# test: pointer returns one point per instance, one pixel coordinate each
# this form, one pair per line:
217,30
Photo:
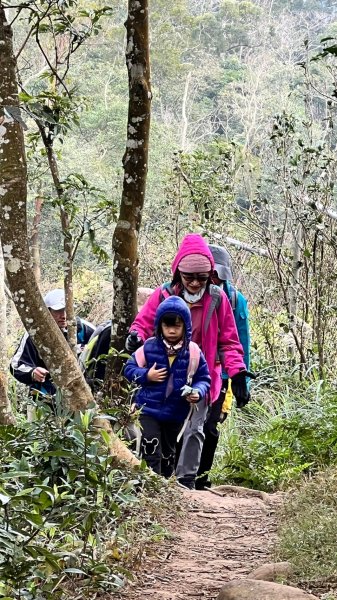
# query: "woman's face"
194,282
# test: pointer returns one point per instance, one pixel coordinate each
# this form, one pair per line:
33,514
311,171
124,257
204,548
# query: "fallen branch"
221,490
241,245
321,208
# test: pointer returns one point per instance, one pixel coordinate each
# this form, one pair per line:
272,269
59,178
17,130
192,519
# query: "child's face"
173,333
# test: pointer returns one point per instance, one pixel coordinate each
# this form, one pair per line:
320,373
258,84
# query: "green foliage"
89,211
207,176
65,18
307,531
236,84
63,502
289,429
56,111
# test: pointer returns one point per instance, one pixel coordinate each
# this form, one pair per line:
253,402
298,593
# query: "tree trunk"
293,287
6,415
184,112
36,318
135,162
69,280
67,243
34,239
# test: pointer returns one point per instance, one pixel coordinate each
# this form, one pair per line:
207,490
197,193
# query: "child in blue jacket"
162,367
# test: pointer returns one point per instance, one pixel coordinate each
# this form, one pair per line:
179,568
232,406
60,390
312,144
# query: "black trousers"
211,438
158,444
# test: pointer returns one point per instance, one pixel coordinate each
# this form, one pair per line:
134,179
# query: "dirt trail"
220,539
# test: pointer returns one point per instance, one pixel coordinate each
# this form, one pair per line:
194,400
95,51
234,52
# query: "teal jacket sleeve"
241,316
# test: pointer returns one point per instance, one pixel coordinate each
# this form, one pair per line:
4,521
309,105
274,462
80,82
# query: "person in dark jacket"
170,383
27,365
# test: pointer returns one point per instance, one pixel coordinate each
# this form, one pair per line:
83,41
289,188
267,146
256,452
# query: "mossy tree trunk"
35,238
6,415
13,229
67,241
135,163
36,318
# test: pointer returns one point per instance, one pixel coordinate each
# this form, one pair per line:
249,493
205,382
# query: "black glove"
133,341
223,417
239,388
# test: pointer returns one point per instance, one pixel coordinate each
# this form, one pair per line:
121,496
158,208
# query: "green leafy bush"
308,530
64,509
289,429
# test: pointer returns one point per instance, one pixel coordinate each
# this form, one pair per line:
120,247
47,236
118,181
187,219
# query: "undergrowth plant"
68,512
308,530
287,431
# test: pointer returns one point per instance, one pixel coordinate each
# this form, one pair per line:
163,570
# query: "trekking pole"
186,390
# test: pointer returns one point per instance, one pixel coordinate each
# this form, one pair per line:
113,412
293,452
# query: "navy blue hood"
175,305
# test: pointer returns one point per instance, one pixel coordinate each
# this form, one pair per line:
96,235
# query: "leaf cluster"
62,500
307,532
57,112
287,431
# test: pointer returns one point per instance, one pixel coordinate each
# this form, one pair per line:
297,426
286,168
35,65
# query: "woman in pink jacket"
213,329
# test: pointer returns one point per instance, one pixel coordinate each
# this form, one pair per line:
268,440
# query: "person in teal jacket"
223,277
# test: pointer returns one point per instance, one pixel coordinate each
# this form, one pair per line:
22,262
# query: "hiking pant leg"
211,437
150,447
211,441
169,433
193,440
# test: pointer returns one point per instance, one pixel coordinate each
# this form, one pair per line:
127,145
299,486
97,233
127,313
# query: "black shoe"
202,485
188,484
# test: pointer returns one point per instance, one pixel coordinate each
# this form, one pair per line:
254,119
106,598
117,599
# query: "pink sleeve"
144,321
229,346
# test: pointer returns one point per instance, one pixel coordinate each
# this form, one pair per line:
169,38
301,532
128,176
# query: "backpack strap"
194,361
140,354
91,351
193,364
140,357
86,354
234,298
215,293
166,291
231,293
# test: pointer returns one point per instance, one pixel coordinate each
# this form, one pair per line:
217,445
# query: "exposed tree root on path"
219,539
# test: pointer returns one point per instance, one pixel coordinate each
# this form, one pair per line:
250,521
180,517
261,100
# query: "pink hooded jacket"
220,341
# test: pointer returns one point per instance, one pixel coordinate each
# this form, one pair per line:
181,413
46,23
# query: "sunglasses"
189,277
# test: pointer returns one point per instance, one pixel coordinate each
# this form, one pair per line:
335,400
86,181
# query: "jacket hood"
222,262
193,243
175,305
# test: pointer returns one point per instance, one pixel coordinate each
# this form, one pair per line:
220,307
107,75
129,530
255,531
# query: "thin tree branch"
24,43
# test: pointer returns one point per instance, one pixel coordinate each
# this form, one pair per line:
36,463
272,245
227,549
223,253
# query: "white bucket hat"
55,299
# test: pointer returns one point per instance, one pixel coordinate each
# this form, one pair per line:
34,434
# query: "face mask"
192,298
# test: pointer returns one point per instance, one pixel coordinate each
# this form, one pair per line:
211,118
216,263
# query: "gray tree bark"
135,163
6,415
36,318
34,239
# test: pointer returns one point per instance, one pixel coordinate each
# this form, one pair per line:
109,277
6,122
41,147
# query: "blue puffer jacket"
163,401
